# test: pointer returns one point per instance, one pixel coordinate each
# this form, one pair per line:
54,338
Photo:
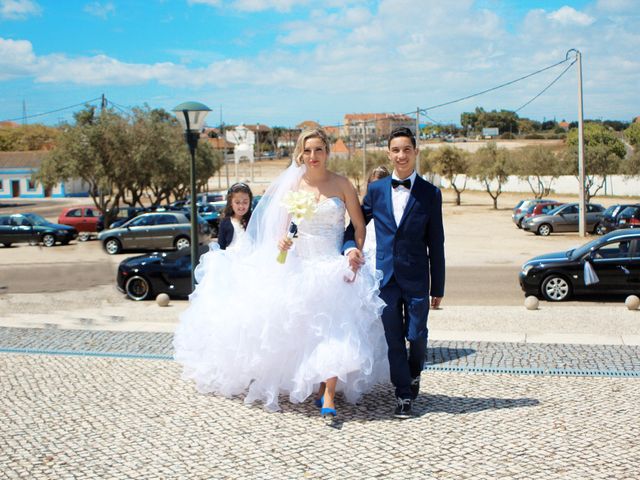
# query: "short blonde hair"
306,135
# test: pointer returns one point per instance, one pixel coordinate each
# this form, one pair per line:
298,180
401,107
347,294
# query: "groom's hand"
356,259
435,302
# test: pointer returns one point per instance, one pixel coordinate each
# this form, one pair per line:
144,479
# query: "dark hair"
377,173
402,132
228,209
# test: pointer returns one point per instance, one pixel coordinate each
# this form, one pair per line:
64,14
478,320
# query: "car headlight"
526,269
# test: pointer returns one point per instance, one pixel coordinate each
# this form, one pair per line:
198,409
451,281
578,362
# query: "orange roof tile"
339,147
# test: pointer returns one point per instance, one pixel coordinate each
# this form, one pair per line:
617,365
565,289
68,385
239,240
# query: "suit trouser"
404,317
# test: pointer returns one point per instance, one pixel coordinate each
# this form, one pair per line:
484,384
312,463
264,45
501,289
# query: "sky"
280,62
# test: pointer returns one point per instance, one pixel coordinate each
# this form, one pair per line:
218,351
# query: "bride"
261,328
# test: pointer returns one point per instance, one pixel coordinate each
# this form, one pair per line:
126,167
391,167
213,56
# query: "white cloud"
617,5
16,58
102,10
570,16
18,9
390,57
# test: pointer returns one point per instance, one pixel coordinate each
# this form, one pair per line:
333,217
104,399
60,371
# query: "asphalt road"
496,285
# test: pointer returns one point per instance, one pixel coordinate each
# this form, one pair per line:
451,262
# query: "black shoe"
415,388
403,408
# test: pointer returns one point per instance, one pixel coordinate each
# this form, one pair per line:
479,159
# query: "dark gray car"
564,219
153,231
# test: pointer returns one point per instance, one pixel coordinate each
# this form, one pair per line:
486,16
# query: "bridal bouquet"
301,205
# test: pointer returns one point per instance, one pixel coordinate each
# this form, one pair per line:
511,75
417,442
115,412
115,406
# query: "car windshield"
610,212
555,210
578,252
36,220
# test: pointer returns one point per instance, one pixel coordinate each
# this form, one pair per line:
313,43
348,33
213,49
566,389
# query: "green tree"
452,163
97,150
27,137
539,167
632,134
603,154
491,167
351,167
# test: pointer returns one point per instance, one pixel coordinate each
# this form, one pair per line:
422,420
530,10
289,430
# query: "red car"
540,209
83,218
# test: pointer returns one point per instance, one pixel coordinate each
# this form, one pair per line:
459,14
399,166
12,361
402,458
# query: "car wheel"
600,229
7,244
544,230
214,231
519,224
182,242
137,288
556,288
112,246
48,240
84,236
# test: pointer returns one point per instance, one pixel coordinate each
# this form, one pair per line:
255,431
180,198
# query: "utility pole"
418,139
582,211
103,103
24,112
364,152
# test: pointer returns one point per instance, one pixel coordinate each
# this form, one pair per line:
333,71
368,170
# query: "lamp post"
191,116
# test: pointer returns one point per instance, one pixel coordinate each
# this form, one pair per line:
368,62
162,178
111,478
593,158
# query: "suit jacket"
225,233
413,251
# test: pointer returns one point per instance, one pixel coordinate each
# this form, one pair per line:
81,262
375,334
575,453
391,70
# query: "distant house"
308,125
16,170
339,149
637,120
376,124
221,144
564,125
332,131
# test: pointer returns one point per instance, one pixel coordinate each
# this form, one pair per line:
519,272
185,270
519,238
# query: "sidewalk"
103,308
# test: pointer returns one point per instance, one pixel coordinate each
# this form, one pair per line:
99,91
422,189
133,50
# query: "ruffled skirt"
261,329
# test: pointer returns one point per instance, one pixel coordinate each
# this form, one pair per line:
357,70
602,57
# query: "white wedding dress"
258,328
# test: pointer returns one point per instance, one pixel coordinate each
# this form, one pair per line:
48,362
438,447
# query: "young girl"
236,215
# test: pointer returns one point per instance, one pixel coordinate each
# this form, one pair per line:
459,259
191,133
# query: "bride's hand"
356,259
285,244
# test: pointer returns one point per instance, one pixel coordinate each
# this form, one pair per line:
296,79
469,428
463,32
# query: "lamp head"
191,115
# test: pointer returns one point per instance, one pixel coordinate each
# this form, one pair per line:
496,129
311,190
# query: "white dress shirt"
400,196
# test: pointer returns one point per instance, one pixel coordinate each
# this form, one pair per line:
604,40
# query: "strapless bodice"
322,234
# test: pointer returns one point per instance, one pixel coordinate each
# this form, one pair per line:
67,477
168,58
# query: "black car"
32,228
145,276
614,257
629,217
611,215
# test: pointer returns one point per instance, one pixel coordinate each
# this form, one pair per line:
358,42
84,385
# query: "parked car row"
545,216
32,228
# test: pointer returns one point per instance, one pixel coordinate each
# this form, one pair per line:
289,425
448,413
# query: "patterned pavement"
110,405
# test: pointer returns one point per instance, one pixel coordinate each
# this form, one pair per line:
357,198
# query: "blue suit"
411,257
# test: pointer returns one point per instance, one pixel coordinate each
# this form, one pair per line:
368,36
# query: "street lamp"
191,116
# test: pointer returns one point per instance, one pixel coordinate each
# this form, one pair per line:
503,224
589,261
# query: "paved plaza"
97,404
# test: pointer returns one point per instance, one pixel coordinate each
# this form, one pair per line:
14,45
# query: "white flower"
300,205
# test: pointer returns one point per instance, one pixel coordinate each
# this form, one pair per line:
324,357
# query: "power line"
25,117
498,86
547,87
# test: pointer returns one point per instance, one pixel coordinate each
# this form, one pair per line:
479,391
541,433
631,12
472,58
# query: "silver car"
151,231
565,219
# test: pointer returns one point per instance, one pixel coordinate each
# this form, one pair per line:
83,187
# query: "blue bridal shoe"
326,412
319,402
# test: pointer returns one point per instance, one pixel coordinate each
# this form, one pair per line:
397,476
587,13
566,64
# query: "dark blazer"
412,252
225,233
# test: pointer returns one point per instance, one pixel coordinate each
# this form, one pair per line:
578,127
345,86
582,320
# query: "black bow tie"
406,183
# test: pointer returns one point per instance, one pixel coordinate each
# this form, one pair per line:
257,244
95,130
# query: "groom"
410,252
